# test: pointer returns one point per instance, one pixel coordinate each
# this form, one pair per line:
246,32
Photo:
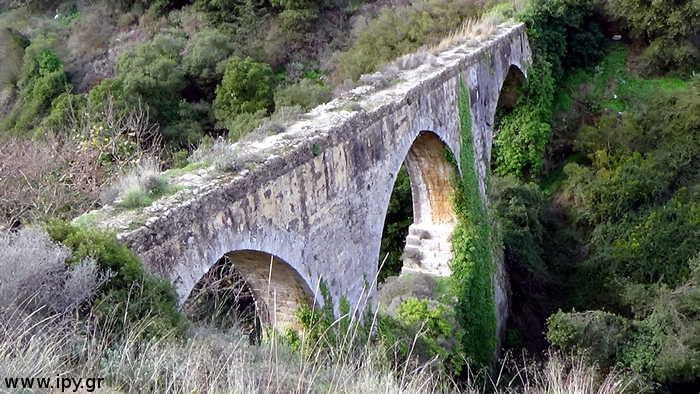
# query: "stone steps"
428,248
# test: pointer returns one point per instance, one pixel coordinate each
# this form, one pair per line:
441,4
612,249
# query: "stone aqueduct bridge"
313,205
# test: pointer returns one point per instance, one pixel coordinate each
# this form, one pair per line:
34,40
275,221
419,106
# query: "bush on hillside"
661,346
229,13
563,34
306,93
247,87
205,57
12,46
41,80
637,159
152,72
155,74
602,334
132,292
523,133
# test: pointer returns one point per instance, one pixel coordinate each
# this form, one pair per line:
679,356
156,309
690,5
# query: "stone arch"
277,289
431,170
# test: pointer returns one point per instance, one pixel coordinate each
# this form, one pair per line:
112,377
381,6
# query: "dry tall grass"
34,343
214,361
471,29
209,361
486,25
143,179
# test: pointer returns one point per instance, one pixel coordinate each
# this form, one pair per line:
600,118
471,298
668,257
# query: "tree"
247,87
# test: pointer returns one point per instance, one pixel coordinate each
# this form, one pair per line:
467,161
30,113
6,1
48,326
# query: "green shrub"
12,46
205,58
132,292
564,33
422,331
190,123
295,21
675,327
667,55
135,199
246,87
35,99
243,17
602,334
651,248
150,189
523,133
243,123
62,109
152,72
637,159
42,79
520,211
306,93
662,346
156,75
321,329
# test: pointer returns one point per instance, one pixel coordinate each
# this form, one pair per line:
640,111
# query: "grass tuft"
139,187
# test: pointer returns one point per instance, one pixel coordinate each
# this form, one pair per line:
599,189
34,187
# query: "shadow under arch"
431,171
511,90
262,290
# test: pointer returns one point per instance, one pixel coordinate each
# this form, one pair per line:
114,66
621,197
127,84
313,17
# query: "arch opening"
249,289
425,235
512,90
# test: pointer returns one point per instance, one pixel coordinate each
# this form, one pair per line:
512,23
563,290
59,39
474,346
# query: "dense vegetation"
594,187
611,220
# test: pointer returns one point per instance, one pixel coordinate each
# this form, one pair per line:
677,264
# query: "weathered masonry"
312,209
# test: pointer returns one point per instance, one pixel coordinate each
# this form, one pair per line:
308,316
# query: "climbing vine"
471,243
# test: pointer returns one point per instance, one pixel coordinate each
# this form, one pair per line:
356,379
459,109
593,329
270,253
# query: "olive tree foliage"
206,55
152,72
